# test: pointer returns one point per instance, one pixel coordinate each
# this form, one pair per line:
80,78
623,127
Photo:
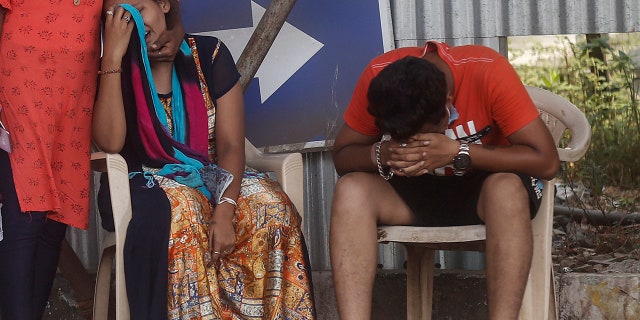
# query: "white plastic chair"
539,301
286,166
113,242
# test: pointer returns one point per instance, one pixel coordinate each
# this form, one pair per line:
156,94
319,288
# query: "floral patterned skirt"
266,276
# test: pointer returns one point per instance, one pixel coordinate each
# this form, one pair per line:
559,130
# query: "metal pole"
262,39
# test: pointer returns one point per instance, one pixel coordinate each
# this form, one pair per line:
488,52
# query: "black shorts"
452,200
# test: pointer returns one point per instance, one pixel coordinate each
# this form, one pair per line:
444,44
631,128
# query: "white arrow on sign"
291,49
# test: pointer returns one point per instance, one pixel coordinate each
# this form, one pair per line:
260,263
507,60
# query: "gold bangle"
100,72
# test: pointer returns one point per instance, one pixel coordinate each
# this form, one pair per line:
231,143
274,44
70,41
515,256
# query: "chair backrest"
287,167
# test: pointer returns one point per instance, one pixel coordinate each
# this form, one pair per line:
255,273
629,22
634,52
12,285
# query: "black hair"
406,95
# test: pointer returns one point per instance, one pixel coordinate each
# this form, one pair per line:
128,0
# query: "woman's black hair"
406,95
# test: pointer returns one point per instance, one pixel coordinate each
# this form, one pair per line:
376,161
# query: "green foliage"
604,90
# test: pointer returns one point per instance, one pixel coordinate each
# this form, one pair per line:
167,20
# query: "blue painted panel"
308,106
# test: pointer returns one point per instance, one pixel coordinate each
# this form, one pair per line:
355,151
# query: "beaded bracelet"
100,72
377,146
228,200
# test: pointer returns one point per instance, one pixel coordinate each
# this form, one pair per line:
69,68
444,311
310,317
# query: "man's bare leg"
504,206
360,201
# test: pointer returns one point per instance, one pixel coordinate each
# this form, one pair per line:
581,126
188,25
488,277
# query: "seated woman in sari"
194,249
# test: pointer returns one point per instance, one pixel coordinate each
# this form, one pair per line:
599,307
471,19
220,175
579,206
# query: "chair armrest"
570,116
287,167
116,168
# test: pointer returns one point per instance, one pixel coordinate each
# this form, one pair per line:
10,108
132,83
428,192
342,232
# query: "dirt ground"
606,240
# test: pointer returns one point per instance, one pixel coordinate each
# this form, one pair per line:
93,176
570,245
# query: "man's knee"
353,195
505,185
351,187
503,193
502,180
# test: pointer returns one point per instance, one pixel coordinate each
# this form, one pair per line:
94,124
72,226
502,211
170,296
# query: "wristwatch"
462,160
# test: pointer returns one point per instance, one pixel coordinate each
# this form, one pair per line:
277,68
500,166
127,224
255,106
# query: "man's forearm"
354,158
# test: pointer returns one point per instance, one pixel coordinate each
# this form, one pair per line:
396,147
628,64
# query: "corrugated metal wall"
457,22
482,21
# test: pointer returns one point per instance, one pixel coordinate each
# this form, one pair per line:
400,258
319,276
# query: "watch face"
461,161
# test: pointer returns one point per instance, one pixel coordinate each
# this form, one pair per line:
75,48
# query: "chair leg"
536,300
419,282
539,300
103,285
553,298
528,307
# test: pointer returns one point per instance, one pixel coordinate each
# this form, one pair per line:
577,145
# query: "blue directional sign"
306,80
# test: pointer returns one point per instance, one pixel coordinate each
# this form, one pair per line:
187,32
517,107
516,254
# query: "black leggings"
29,253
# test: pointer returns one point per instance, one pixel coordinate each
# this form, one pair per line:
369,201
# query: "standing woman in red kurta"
49,53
